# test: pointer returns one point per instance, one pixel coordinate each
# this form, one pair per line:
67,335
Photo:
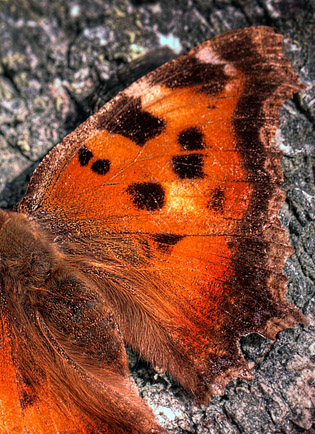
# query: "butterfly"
154,224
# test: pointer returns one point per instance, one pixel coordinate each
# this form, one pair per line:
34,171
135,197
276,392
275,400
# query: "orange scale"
226,163
188,198
185,107
209,261
10,409
39,418
214,171
118,149
236,200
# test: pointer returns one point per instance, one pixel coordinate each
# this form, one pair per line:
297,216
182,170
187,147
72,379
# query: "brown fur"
148,321
55,314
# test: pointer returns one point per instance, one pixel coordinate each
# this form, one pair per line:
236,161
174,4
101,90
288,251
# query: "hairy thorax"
61,336
27,258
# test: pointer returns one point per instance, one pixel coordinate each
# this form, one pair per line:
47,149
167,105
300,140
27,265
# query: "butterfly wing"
170,195
47,412
63,367
21,409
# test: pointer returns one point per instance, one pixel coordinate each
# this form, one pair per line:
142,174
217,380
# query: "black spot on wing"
216,202
188,166
165,242
148,196
128,119
101,167
84,155
191,139
188,71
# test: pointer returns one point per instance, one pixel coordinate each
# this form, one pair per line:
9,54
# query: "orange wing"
169,198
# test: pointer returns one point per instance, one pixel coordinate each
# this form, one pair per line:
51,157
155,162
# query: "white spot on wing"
206,55
147,92
229,70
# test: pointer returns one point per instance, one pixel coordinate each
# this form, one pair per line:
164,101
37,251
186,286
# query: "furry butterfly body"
155,224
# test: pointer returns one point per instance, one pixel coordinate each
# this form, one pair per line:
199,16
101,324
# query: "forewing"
181,171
